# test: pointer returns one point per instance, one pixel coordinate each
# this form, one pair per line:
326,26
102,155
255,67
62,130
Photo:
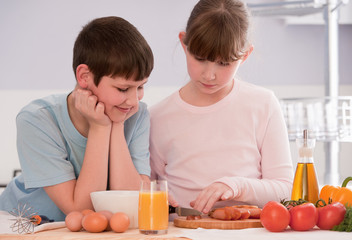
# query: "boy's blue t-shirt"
51,151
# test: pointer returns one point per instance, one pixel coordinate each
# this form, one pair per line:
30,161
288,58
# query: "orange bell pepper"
337,194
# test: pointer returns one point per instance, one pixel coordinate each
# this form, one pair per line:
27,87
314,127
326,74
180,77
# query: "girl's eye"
140,87
122,90
224,63
199,59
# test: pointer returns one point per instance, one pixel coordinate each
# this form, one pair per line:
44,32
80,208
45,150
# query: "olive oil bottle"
305,183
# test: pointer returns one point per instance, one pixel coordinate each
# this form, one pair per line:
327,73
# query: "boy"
96,137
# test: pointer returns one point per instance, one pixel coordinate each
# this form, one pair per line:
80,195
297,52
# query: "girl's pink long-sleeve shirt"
241,141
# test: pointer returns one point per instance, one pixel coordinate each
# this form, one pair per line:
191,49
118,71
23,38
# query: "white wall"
37,37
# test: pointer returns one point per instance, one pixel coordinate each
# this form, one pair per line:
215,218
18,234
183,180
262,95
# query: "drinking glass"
153,207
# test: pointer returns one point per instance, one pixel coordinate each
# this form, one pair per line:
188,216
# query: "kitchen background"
37,36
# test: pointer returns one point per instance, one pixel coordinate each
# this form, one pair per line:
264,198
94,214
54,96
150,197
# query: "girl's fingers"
212,199
206,199
227,195
210,195
201,200
172,201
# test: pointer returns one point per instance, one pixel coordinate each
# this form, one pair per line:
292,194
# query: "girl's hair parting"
217,30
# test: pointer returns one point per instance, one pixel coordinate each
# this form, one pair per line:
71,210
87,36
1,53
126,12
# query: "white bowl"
117,201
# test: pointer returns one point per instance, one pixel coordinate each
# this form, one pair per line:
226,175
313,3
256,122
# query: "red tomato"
331,215
275,217
303,217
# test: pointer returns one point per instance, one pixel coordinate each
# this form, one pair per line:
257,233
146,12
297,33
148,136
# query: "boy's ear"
83,75
181,36
248,52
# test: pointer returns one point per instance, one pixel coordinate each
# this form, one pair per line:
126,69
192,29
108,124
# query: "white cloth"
7,220
262,234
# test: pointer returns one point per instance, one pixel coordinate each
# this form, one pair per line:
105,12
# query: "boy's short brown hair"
111,46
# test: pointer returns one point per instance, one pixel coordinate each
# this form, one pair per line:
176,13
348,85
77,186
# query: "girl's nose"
209,71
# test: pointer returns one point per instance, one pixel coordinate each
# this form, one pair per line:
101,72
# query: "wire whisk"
25,219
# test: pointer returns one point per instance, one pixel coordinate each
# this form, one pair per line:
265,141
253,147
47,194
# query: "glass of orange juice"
153,208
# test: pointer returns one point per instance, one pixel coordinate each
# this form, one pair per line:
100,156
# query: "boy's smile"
120,96
124,110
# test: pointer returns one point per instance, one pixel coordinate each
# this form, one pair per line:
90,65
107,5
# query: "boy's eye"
122,90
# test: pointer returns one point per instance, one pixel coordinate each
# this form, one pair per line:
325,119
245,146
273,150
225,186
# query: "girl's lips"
208,85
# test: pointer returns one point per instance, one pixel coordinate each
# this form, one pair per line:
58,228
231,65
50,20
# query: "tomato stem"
293,203
323,203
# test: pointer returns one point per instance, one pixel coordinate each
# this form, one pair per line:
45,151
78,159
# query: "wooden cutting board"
211,223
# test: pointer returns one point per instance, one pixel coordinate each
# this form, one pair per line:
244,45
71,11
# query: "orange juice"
153,210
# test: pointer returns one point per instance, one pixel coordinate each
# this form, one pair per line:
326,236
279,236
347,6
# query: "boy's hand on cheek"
87,104
210,195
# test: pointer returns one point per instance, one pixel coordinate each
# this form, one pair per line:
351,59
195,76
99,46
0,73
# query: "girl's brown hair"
111,46
217,30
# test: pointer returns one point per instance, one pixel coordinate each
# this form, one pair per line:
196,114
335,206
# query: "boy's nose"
132,98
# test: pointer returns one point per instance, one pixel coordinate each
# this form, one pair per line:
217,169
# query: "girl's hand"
172,201
87,104
210,195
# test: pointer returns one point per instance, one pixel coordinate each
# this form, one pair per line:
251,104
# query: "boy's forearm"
74,195
123,174
94,172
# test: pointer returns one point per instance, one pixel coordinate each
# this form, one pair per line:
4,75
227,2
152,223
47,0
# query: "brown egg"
73,221
86,211
119,222
108,215
94,222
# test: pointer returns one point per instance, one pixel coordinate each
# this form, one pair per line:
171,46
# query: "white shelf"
318,18
301,12
326,118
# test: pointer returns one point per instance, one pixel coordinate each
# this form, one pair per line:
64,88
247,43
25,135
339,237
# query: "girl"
219,138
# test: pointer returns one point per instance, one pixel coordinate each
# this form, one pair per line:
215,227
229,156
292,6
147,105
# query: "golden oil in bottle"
305,184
